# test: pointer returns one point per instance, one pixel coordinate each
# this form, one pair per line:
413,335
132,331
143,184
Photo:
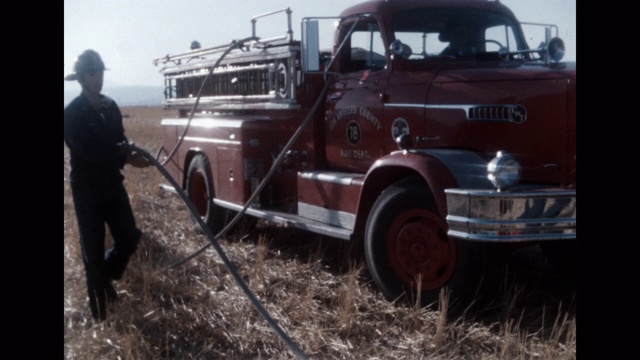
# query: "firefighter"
93,129
459,38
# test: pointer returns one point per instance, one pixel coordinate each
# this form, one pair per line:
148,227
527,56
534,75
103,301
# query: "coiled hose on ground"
213,239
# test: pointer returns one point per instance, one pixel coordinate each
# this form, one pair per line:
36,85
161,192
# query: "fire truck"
434,133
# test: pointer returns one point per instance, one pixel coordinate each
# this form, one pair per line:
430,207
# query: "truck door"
354,121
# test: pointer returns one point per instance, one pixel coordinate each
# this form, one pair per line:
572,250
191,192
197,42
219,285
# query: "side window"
367,51
500,38
421,44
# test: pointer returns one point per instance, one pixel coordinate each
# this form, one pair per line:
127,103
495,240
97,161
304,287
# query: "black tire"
405,237
561,255
199,189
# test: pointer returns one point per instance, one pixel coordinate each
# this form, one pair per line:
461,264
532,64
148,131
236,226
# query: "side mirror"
310,46
399,49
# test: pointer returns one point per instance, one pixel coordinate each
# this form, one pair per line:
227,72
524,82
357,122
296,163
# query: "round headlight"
503,171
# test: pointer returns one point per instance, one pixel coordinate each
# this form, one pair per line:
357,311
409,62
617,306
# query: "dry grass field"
317,289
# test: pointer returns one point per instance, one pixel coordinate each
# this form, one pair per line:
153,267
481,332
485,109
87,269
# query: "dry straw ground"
316,289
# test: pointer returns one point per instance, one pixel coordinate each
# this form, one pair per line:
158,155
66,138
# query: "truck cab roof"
391,6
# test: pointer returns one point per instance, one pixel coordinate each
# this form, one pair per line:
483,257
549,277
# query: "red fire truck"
433,132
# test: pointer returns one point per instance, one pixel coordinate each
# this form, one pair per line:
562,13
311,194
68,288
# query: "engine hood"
526,110
508,72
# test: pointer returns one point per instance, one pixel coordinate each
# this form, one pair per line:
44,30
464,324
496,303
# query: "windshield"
455,33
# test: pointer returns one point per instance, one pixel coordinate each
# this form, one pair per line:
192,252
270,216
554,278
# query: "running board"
291,220
282,218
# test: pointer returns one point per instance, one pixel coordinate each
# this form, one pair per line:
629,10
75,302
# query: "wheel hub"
419,247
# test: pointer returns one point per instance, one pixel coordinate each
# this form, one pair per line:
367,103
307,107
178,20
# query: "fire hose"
130,147
216,245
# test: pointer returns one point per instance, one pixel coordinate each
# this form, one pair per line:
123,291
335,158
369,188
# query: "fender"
439,168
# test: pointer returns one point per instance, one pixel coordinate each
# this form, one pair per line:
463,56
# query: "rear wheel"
409,253
200,192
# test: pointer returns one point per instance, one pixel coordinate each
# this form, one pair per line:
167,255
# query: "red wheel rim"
198,192
418,247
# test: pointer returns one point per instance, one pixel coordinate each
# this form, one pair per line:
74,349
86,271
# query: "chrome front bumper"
489,215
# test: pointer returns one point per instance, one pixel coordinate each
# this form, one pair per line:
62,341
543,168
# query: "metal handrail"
289,29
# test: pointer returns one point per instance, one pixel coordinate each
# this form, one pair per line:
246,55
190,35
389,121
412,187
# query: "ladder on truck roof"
258,74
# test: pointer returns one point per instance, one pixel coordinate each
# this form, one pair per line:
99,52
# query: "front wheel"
561,254
409,253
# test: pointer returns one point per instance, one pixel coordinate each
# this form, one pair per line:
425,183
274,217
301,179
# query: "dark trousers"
93,208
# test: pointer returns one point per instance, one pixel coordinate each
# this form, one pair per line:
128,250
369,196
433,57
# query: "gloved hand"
134,158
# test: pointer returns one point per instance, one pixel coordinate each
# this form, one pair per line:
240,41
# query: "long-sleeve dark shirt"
91,137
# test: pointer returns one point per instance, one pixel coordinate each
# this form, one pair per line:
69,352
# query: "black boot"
114,263
100,299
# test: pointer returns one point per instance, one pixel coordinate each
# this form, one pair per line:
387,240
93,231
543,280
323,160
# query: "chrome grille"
511,113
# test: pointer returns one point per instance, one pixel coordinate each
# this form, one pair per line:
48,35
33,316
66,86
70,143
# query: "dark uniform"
99,195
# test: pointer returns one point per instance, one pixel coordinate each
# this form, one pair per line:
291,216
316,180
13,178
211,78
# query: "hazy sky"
130,34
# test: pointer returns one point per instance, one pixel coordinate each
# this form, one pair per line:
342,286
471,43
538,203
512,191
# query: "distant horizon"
128,95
